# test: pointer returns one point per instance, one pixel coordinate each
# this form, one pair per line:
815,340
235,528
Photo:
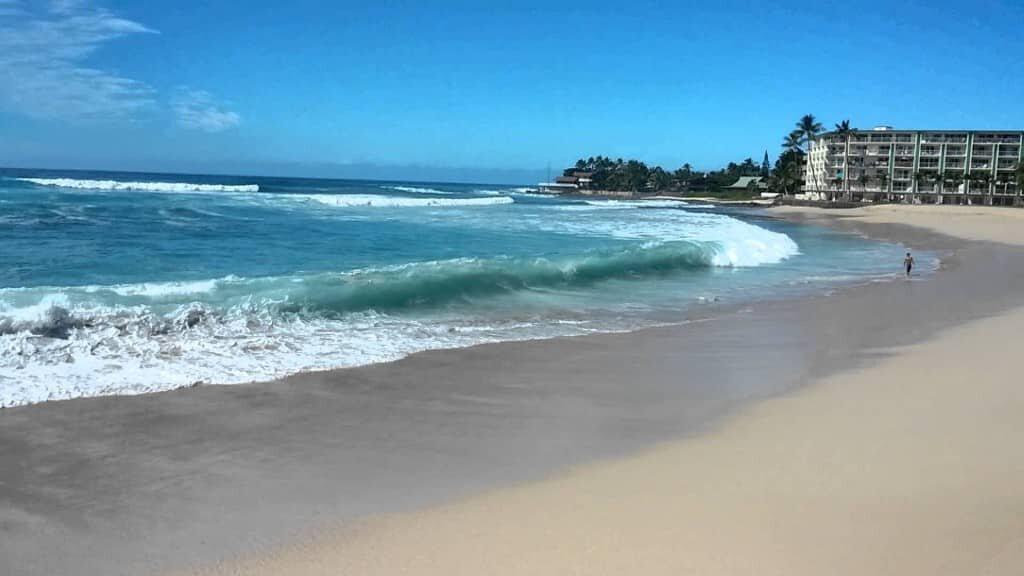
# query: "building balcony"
996,138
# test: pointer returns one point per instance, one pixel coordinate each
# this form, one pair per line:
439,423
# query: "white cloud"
43,62
198,110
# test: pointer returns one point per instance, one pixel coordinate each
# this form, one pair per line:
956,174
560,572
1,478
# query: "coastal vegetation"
634,176
618,175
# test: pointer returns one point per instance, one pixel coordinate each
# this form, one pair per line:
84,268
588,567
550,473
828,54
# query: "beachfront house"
574,181
753,186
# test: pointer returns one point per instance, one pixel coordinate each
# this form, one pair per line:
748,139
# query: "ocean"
124,283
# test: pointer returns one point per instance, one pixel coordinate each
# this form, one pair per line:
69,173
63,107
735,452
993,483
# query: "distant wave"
636,203
140,186
415,190
380,201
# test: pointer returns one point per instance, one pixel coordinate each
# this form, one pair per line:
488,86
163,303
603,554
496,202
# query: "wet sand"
195,477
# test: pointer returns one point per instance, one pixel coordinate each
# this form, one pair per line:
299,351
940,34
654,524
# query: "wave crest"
140,186
415,189
379,201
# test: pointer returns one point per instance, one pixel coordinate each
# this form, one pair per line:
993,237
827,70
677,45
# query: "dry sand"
910,465
985,223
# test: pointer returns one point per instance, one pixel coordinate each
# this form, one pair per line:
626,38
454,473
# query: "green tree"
806,132
915,183
658,180
809,128
794,141
786,177
939,179
883,183
969,179
1003,179
955,179
843,130
863,180
985,179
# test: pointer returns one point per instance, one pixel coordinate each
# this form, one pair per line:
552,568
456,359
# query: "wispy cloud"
44,53
198,110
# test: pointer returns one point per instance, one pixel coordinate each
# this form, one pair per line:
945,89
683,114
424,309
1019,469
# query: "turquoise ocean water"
127,283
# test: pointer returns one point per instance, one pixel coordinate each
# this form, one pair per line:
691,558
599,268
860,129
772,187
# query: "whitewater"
134,283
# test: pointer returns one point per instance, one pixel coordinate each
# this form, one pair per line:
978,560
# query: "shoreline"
792,485
532,412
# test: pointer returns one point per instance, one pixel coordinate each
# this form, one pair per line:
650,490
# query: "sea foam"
140,186
380,201
415,189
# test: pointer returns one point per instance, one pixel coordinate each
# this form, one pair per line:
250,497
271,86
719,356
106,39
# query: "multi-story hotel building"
928,166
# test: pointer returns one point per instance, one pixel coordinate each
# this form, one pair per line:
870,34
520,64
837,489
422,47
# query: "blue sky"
485,91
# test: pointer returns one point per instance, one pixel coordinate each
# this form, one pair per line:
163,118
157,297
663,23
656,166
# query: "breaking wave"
140,186
94,340
387,289
380,201
636,203
415,189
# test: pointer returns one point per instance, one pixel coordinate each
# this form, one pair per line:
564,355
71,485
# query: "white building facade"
919,166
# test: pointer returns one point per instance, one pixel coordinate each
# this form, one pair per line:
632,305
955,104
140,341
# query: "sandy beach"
908,466
874,430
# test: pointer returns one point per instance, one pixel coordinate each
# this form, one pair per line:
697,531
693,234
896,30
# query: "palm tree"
1004,179
956,179
863,180
837,182
915,178
843,130
809,128
968,179
938,178
794,141
786,176
806,132
985,179
883,183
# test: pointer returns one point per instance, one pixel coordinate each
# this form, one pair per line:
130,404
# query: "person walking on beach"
908,263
